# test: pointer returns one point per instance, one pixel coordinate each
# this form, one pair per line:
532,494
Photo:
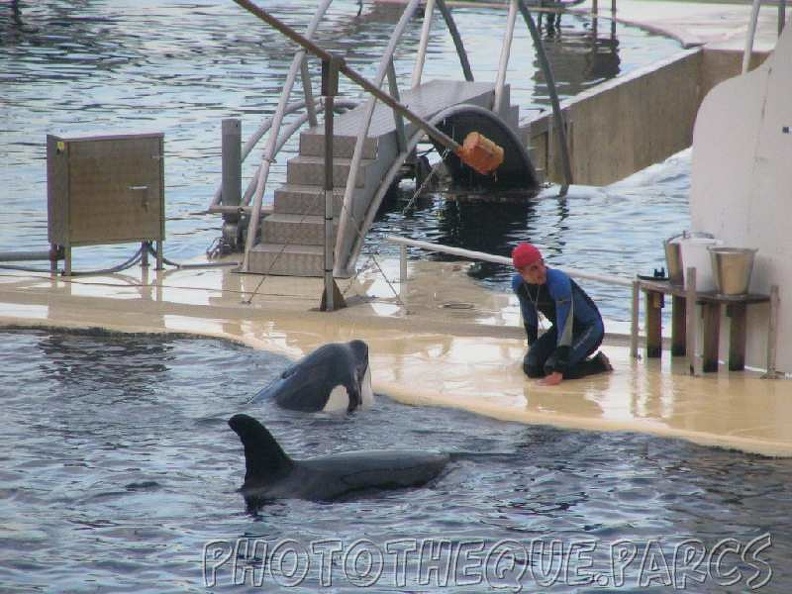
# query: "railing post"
420,59
636,296
772,332
330,67
231,148
308,91
692,321
398,119
403,272
503,64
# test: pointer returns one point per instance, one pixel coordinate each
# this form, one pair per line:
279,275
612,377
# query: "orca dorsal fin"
264,458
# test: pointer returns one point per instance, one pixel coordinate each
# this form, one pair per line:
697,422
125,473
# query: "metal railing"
251,202
634,284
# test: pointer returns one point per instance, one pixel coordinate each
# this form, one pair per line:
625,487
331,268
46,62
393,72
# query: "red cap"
525,254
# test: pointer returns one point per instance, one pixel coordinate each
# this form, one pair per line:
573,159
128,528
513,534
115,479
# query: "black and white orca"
271,474
334,377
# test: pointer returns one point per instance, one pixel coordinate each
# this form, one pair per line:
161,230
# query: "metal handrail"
485,257
387,62
374,89
270,150
503,63
420,58
357,153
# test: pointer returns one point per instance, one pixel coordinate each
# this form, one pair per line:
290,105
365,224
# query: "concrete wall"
631,122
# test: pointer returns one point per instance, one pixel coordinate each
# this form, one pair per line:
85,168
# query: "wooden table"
711,303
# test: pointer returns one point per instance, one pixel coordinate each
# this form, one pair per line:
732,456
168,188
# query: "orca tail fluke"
264,458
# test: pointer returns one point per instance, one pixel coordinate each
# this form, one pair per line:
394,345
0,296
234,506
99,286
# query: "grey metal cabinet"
105,189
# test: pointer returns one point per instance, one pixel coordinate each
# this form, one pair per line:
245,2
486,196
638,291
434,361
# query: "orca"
270,474
334,377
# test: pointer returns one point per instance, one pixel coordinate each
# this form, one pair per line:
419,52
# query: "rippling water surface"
181,66
129,485
119,472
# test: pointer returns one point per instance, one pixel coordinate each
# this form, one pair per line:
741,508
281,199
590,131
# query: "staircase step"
295,229
286,260
312,144
309,170
302,199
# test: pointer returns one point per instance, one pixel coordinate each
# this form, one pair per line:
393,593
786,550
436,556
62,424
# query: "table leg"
711,331
736,311
654,339
678,326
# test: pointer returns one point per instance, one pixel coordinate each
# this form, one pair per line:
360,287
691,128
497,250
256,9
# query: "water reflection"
71,67
74,359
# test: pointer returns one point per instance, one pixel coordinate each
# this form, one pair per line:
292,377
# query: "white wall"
742,184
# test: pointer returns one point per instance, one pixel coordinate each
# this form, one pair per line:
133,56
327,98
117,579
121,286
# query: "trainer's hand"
551,380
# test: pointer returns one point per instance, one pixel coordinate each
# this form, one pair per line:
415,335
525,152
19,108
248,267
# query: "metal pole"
330,70
460,48
24,256
636,297
551,88
402,272
503,64
231,148
749,39
772,332
420,59
485,257
692,323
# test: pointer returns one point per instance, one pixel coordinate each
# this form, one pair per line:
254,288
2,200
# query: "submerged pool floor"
120,474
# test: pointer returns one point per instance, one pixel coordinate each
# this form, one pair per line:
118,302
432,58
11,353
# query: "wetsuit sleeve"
528,312
560,288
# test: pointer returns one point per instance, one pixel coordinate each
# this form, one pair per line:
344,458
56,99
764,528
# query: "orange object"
480,153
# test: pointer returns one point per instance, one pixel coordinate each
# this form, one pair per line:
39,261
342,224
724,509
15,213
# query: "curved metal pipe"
357,155
460,48
343,268
290,130
503,64
269,151
548,74
420,59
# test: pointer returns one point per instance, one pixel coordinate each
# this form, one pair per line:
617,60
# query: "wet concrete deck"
446,342
449,342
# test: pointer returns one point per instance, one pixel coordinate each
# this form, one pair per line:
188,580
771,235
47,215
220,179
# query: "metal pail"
732,269
673,253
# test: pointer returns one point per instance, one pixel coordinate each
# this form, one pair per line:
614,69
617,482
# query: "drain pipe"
24,256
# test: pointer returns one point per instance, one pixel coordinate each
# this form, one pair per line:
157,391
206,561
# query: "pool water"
120,474
181,66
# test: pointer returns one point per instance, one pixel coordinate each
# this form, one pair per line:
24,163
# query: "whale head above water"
334,377
271,474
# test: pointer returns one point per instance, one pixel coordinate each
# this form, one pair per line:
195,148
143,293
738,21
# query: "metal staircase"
301,235
292,238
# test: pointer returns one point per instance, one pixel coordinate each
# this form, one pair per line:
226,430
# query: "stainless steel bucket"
732,269
673,254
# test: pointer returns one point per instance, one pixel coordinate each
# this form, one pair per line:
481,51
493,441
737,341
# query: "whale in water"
271,474
334,377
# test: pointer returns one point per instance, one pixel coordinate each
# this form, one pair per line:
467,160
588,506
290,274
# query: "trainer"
564,350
